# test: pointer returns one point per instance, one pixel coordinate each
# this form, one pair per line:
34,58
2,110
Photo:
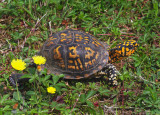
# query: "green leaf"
17,95
56,78
93,111
115,100
31,80
30,93
43,111
27,60
146,92
90,104
90,94
61,75
4,98
46,77
157,102
53,104
7,107
104,92
83,98
121,77
44,71
61,84
32,16
44,104
26,76
147,101
32,70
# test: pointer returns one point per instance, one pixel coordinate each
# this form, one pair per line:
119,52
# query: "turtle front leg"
111,72
16,79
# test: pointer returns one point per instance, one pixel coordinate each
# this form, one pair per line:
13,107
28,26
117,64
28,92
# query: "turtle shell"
74,53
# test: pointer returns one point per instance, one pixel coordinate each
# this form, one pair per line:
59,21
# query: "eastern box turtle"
77,54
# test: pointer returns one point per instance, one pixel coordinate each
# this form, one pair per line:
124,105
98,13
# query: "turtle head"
122,50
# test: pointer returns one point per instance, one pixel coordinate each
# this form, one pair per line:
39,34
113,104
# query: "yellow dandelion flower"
18,64
39,60
51,90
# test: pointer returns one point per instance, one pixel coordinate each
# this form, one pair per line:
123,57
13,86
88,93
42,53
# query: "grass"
25,25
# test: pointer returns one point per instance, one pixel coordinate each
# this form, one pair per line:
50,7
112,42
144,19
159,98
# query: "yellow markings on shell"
51,38
62,65
90,63
70,36
76,65
63,34
74,55
78,38
96,57
70,61
49,43
96,43
71,67
66,38
89,54
62,40
57,53
57,56
86,41
79,61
